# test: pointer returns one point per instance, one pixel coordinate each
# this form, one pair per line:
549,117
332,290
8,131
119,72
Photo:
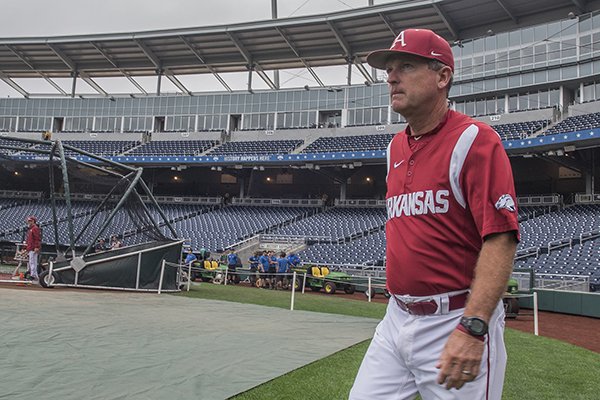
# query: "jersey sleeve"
489,185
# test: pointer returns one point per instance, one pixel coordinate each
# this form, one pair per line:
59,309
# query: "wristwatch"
475,326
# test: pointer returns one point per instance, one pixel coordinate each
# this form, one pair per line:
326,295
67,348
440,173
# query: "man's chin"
398,108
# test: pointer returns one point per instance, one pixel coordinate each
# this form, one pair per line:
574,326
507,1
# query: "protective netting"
89,203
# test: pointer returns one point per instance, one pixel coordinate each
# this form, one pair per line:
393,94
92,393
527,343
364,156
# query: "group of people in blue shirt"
266,269
269,270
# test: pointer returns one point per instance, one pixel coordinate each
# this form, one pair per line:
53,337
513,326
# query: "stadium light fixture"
269,179
368,179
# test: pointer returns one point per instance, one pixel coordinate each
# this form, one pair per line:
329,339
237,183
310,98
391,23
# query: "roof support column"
250,69
159,74
74,84
349,77
274,16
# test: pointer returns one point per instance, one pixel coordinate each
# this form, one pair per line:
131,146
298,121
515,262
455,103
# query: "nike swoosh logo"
397,164
433,53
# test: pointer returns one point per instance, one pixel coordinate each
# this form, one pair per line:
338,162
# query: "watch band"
464,330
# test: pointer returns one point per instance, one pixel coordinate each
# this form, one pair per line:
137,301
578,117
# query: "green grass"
276,298
538,367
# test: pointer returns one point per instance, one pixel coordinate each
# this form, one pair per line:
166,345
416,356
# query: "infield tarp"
62,344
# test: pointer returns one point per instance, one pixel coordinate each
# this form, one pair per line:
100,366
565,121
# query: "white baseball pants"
405,349
33,264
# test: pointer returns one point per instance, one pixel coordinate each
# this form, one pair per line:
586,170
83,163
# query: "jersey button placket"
409,171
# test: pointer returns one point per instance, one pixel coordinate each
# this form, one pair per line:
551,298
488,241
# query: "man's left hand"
460,361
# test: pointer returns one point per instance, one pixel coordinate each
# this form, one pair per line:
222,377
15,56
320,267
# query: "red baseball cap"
420,42
32,218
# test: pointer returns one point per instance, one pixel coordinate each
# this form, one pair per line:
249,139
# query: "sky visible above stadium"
41,18
20,18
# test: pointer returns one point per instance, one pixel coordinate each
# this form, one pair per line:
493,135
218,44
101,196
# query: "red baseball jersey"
446,191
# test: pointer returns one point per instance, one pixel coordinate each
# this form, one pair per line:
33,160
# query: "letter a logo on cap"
400,39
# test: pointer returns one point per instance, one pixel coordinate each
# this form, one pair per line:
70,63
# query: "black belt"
431,306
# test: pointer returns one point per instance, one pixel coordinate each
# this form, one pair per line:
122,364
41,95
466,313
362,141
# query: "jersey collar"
431,132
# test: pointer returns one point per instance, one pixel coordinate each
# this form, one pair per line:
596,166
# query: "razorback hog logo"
506,201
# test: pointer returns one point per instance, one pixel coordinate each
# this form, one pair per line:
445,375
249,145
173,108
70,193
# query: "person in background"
294,260
100,246
190,257
253,260
33,243
115,243
232,263
264,268
283,267
273,264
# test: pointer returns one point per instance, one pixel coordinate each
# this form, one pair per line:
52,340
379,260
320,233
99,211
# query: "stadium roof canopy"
339,38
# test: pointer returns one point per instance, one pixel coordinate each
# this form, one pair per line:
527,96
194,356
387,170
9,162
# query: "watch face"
477,326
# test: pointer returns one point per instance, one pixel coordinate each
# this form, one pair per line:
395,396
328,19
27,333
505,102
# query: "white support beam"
308,67
178,83
249,59
388,24
53,84
86,78
109,58
241,48
345,46
507,11
27,62
14,85
447,21
200,58
361,68
149,53
64,58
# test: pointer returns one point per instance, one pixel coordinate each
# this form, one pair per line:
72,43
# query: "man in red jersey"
33,243
451,233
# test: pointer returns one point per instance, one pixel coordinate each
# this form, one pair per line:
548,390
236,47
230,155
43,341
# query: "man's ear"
444,76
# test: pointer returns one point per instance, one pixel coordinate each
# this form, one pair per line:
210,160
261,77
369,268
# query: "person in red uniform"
451,234
33,243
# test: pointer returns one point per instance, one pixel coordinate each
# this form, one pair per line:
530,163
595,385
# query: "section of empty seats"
12,143
564,224
576,123
527,212
519,130
101,147
223,227
257,147
124,221
173,147
97,147
370,248
336,223
579,260
349,143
